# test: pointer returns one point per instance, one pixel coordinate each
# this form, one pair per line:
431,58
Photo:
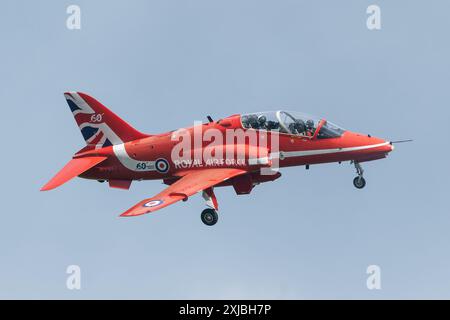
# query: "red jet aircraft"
193,159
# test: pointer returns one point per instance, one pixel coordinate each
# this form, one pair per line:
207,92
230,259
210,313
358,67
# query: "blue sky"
163,64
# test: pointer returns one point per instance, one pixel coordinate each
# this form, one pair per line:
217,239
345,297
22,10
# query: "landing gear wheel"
209,217
359,182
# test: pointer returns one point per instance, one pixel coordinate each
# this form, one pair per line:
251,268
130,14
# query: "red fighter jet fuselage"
240,151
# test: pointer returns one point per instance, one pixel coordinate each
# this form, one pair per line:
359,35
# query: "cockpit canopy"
291,122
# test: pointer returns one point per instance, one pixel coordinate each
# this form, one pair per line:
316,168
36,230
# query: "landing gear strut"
359,181
209,217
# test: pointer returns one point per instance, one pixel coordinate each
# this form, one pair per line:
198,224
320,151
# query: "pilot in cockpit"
272,125
297,127
267,124
262,122
310,129
259,122
252,121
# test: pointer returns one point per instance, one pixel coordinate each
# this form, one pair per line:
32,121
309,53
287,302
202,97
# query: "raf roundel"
153,203
162,165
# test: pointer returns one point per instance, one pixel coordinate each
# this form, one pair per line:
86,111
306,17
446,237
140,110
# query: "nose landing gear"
359,181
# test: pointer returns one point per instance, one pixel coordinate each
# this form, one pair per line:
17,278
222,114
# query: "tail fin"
99,126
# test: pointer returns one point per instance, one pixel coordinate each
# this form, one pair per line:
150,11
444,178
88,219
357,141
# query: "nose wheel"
209,217
359,182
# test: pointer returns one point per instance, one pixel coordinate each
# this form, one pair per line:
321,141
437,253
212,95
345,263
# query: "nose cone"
382,145
378,148
389,147
368,147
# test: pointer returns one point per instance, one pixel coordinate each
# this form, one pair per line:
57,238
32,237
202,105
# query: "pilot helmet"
253,121
245,120
300,125
262,119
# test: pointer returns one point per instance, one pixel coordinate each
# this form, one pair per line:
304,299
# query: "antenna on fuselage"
209,119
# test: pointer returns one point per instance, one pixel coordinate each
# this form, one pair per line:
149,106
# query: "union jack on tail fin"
99,126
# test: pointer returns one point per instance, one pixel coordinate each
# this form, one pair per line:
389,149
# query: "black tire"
359,182
209,217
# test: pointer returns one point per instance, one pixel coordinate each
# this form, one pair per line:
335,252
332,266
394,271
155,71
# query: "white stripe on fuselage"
290,154
139,165
256,161
130,163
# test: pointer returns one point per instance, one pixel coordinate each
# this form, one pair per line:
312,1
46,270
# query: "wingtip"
47,187
135,211
128,214
125,214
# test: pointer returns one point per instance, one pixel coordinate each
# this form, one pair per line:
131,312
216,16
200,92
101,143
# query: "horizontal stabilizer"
74,168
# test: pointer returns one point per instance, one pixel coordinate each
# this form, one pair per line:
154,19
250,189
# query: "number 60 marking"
141,166
98,117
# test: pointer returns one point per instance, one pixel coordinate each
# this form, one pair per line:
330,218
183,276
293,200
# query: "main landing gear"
209,216
359,181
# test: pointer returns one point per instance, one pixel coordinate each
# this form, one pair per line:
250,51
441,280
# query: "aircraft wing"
189,184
